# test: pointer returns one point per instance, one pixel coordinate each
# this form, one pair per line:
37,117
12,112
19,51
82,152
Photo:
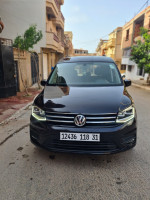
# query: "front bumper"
113,139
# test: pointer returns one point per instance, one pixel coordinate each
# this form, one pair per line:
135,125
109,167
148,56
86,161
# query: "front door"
45,67
34,67
16,75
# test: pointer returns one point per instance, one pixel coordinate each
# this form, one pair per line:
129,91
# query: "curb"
16,114
140,86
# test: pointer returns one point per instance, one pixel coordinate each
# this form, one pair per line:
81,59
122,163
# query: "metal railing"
57,4
55,37
62,17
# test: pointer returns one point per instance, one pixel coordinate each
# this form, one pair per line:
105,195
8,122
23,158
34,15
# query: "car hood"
84,99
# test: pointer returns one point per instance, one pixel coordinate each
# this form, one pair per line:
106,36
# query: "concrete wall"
19,15
118,53
133,74
130,26
127,43
24,69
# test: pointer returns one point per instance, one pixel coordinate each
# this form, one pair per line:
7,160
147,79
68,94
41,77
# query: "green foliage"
143,31
140,52
31,37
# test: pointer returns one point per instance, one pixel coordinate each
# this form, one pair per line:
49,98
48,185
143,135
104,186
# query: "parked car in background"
84,108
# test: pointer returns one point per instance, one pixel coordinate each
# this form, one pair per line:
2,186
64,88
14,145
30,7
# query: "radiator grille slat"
91,119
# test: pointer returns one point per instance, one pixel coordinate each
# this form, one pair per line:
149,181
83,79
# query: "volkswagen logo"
80,120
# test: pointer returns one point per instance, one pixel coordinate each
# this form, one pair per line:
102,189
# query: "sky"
90,20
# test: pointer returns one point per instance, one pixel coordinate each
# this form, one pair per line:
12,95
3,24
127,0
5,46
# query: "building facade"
47,15
80,52
130,34
112,47
68,37
83,52
102,48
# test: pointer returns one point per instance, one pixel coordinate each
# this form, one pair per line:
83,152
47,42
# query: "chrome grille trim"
100,122
59,113
51,120
64,117
91,119
86,114
100,117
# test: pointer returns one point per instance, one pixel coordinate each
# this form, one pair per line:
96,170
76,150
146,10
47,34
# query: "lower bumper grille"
83,146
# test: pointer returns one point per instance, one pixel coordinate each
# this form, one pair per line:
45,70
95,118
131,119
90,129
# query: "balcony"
61,47
111,42
52,8
62,17
59,20
52,41
112,56
61,2
104,46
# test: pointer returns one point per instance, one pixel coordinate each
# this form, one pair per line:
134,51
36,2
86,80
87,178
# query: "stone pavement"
9,106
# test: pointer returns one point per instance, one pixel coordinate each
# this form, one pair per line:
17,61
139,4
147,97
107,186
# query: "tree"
26,42
140,53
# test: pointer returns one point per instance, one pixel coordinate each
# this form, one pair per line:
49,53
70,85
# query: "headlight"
38,113
126,115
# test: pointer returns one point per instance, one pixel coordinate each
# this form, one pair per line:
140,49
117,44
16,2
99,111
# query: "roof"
86,59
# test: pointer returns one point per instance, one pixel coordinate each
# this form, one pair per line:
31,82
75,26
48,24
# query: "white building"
130,34
17,16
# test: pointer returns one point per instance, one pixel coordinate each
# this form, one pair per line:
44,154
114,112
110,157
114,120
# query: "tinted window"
85,74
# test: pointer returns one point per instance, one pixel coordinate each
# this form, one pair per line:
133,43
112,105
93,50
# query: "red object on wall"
1,26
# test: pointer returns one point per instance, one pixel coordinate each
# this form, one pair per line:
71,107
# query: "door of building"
16,75
34,67
7,71
45,66
141,71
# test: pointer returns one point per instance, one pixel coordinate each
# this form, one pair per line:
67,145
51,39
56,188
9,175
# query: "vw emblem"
80,120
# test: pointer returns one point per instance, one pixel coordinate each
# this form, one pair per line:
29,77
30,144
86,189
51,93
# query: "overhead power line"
145,4
83,42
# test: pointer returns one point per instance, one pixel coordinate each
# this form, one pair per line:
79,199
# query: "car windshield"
85,74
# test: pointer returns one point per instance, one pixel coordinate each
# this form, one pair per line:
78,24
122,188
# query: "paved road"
29,173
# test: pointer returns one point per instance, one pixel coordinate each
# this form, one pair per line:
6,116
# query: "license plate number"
91,137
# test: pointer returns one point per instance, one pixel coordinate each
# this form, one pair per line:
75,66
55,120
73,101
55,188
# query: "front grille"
83,146
108,119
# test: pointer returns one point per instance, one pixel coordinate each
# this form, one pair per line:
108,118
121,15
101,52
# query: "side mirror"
123,75
43,82
127,83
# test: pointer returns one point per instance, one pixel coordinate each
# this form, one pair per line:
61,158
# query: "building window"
123,67
127,34
140,72
129,68
126,52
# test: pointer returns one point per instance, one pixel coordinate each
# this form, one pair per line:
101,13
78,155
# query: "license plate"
89,137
